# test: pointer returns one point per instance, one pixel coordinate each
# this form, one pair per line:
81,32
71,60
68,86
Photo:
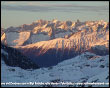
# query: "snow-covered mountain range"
43,30
57,40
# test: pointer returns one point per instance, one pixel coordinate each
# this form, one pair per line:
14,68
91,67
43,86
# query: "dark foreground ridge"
16,59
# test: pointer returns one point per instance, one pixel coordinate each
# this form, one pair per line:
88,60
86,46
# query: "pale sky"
16,13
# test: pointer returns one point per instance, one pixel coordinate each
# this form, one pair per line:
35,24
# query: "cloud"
38,7
8,2
11,2
34,3
25,8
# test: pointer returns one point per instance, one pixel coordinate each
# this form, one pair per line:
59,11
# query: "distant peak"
54,20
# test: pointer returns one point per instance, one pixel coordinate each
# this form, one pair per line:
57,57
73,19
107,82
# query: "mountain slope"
54,50
58,40
14,58
86,67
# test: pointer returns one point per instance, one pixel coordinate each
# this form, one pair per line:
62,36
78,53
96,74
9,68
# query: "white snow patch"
73,70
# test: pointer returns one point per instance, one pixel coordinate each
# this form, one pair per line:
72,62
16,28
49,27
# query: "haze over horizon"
16,13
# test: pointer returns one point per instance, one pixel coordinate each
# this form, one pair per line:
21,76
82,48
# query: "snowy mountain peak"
54,20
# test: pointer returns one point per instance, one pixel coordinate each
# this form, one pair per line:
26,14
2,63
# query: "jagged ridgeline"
50,42
14,58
